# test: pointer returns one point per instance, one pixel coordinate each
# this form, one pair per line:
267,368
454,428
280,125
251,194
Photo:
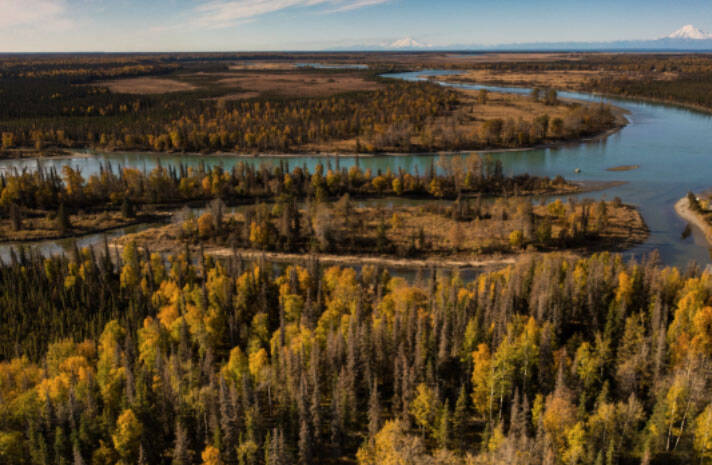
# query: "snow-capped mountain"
406,43
689,32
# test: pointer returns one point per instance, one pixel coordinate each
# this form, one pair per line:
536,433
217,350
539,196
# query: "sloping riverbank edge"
683,210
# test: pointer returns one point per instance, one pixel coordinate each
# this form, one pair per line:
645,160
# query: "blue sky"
132,25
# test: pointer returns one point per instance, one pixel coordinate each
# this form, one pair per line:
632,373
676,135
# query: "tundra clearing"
298,84
146,85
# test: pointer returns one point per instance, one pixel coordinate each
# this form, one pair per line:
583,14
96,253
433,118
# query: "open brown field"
146,85
263,78
299,84
505,106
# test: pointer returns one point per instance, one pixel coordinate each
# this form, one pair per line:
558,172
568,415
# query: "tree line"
116,187
688,88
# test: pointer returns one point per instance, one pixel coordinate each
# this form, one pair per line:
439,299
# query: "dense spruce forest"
184,360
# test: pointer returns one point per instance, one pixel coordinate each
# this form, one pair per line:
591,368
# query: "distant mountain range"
687,38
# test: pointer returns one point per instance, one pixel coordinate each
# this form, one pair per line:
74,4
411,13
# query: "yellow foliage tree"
397,186
392,446
435,188
424,408
110,370
703,433
482,386
211,456
559,415
236,367
206,224
516,239
127,437
131,271
575,445
258,365
11,448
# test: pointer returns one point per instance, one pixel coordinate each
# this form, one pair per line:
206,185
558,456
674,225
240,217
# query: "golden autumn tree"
211,456
392,446
482,381
127,437
703,433
425,408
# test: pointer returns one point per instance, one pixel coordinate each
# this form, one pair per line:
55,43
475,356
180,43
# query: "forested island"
45,204
466,230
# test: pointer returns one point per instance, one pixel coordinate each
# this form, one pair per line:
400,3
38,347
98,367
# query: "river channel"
671,145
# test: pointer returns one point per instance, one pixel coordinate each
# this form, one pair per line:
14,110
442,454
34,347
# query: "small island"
45,204
464,232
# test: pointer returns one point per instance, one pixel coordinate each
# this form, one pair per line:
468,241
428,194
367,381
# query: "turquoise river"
671,145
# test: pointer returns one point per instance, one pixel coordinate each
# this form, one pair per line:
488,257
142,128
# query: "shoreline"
156,219
88,152
626,97
683,210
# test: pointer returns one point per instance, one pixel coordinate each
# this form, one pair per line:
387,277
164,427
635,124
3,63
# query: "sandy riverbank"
362,260
682,208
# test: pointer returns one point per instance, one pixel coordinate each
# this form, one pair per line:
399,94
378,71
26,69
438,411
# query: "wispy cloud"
224,13
49,14
355,5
